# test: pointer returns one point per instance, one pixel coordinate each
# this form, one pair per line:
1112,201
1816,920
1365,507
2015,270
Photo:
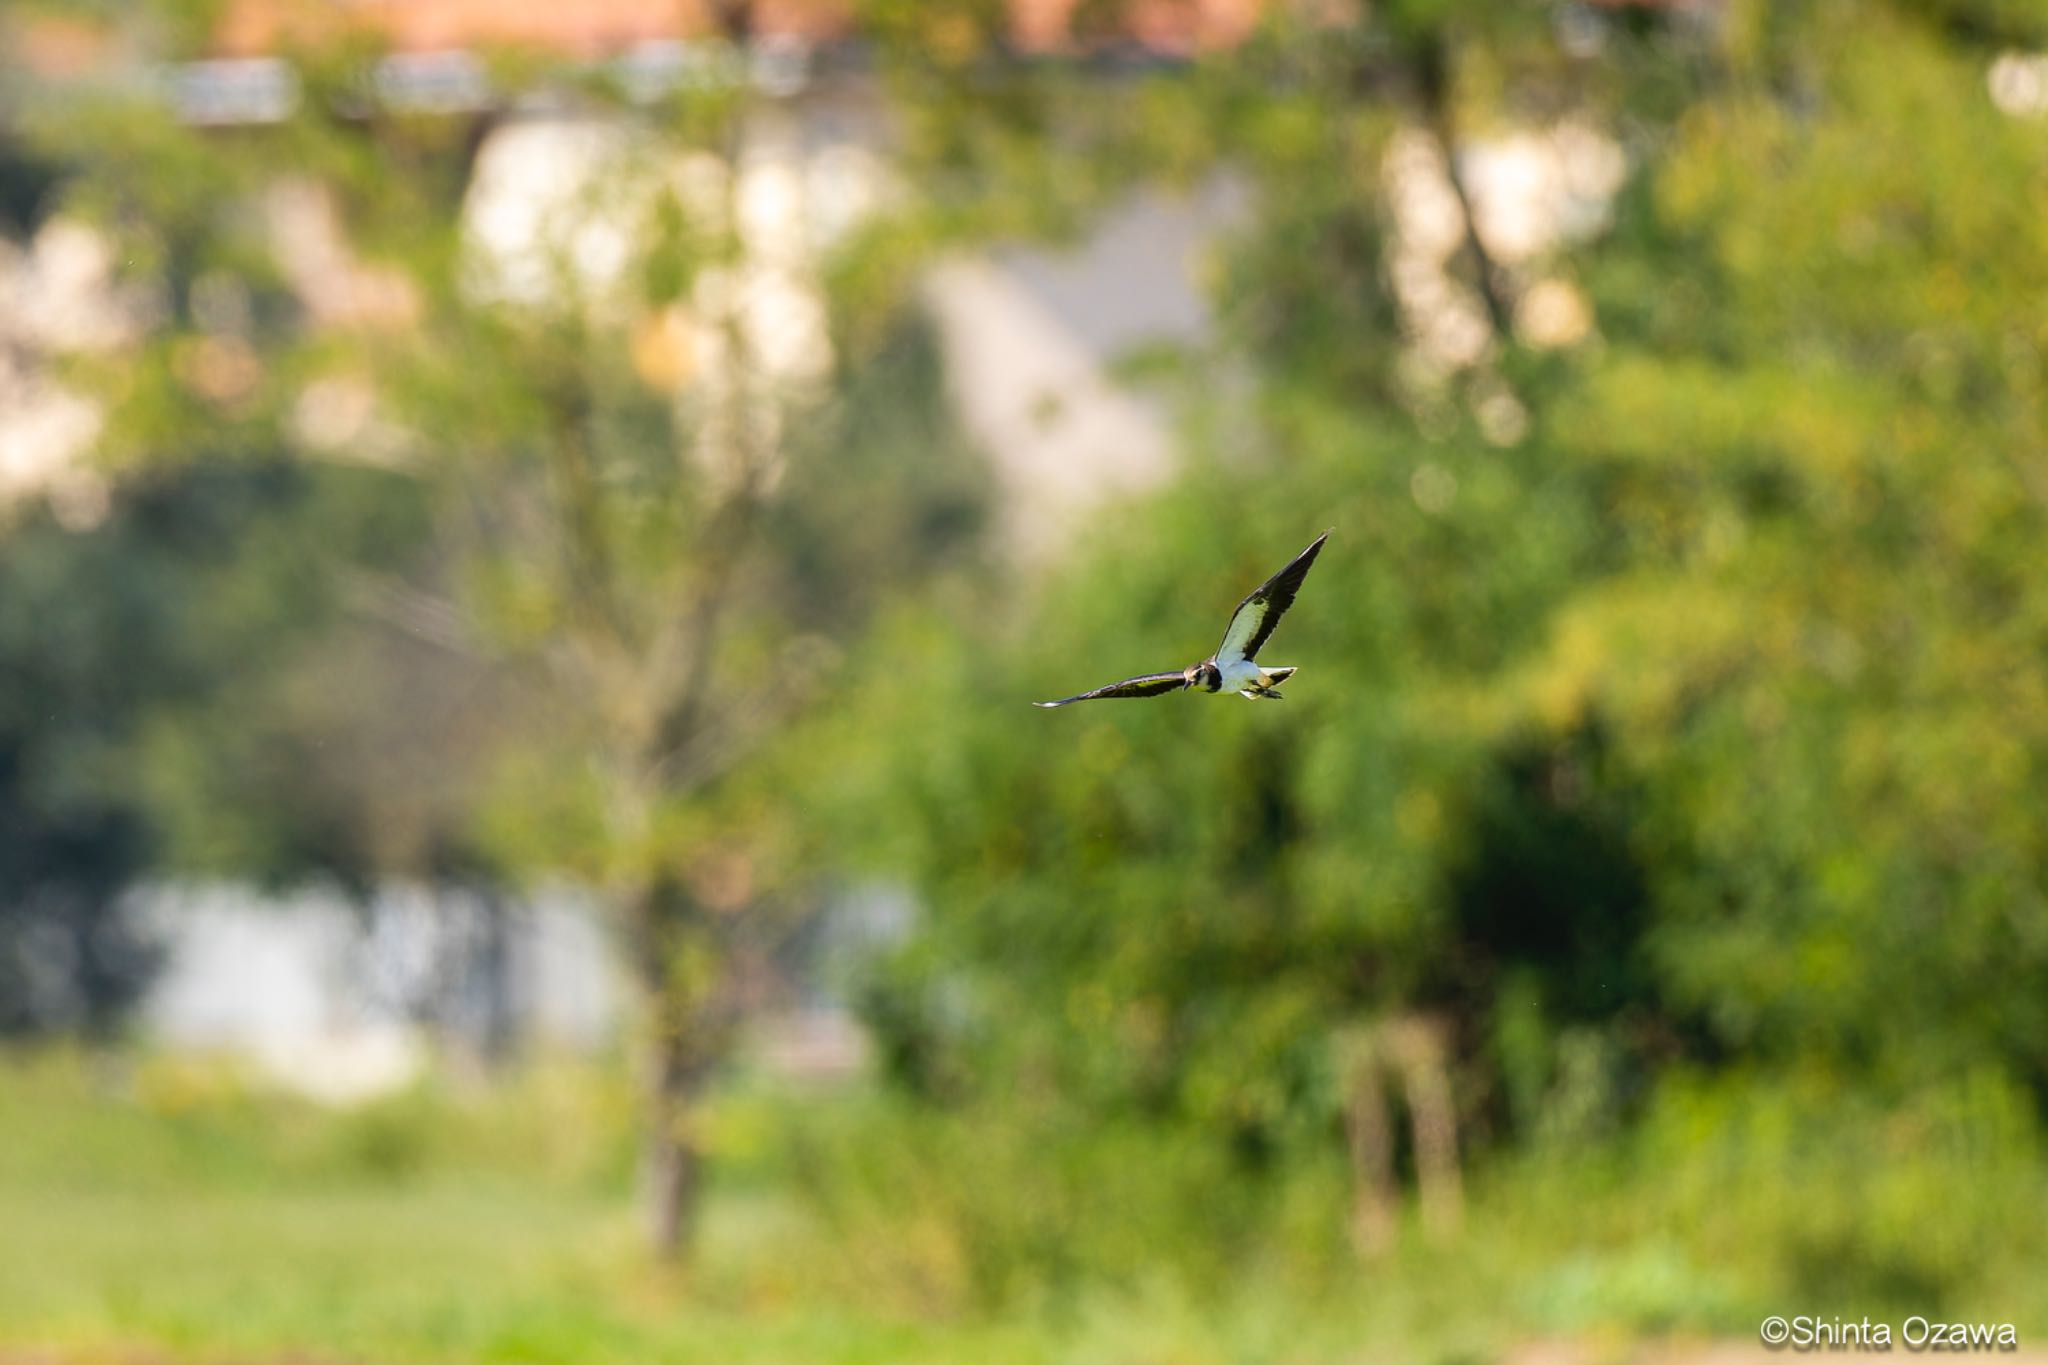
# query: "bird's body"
1245,677
1231,668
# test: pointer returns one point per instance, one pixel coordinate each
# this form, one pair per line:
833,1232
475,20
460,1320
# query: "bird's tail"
1268,684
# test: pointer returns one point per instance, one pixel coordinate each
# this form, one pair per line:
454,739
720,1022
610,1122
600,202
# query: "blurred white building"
57,298
340,1001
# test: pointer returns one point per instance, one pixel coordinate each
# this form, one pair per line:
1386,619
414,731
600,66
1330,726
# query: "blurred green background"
527,532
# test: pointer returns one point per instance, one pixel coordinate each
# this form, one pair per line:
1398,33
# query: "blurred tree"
1819,442
1676,667
670,460
1291,876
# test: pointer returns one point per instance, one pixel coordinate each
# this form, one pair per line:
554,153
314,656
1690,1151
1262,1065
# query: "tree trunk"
672,1161
689,1025
1369,1130
1369,1138
497,1030
1433,79
1422,1051
1415,1050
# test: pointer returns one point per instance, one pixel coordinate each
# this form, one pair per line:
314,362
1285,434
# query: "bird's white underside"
1250,681
1239,674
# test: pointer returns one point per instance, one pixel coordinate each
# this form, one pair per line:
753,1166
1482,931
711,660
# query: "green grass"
165,1210
167,1207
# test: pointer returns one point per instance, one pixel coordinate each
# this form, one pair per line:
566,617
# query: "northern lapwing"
1230,668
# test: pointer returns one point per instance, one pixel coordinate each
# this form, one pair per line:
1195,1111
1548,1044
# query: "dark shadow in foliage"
104,631
91,637
1549,897
69,955
27,188
1547,882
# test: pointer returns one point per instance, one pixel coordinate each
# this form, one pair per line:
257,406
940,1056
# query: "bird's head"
1206,676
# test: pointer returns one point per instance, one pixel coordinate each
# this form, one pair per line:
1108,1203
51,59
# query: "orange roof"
59,45
1177,26
591,28
585,28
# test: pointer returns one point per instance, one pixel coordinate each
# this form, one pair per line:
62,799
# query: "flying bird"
1230,668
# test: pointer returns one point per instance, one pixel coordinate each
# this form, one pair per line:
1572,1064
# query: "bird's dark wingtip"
1048,705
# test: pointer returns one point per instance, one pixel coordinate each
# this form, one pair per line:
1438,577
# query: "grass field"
163,1207
163,1211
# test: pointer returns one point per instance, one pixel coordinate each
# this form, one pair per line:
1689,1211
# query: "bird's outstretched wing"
1151,685
1256,616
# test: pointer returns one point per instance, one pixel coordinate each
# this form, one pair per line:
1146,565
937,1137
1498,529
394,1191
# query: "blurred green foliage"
1692,722
653,493
1672,725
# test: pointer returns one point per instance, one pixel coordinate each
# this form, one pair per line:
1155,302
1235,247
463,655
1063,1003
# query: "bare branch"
1433,77
422,615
